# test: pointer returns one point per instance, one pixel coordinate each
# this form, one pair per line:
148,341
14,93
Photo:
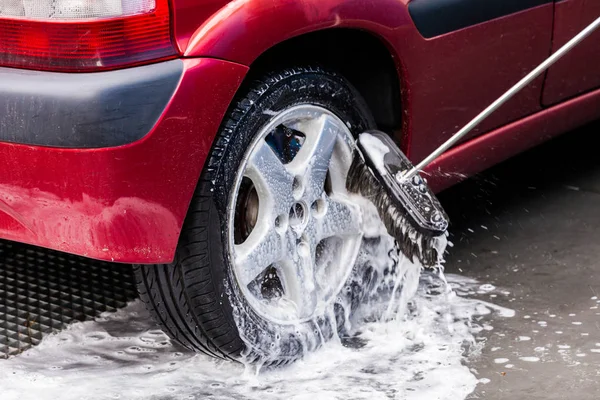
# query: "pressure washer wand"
501,100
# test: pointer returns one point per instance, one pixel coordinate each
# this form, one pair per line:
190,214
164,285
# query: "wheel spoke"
299,281
260,250
341,218
272,181
312,161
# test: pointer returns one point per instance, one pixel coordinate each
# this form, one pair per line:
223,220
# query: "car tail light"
83,35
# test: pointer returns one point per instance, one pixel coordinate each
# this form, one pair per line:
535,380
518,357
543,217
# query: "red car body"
127,202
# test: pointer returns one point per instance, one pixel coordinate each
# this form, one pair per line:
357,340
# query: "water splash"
413,332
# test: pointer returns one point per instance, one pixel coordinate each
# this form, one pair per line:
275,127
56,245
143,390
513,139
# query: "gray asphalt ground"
531,228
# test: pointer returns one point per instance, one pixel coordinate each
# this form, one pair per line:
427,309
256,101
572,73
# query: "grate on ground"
42,291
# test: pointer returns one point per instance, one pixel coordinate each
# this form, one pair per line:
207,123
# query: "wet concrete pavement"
531,228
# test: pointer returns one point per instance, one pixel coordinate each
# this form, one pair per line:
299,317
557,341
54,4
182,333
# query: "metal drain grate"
43,290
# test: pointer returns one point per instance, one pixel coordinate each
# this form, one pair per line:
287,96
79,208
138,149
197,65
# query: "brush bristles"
412,243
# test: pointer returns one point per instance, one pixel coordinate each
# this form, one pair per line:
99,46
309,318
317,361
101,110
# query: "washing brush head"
409,210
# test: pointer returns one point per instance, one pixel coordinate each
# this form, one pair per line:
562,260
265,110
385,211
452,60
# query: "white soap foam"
529,359
123,356
487,287
376,149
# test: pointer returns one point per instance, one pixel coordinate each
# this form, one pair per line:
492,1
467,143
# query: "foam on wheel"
202,299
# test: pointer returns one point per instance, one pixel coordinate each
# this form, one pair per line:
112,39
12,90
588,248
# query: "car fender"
244,29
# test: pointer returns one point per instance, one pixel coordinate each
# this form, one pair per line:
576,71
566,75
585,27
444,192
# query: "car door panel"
450,78
579,71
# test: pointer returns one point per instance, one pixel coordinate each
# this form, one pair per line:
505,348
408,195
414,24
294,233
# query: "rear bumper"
91,110
106,167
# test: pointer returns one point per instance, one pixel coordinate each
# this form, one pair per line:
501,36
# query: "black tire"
195,299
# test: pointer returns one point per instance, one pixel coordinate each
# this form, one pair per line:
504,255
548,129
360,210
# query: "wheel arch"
354,38
360,57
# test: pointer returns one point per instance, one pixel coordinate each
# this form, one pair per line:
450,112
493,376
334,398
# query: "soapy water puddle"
122,355
413,342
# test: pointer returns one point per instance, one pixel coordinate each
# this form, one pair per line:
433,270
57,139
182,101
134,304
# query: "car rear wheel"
271,237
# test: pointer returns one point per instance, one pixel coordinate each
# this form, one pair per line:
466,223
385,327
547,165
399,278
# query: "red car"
208,141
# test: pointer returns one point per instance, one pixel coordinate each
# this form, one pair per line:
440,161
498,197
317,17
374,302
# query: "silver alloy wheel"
306,233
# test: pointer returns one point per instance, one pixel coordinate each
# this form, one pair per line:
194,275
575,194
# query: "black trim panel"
89,110
437,17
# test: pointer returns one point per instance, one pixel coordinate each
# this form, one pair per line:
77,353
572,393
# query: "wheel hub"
298,216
